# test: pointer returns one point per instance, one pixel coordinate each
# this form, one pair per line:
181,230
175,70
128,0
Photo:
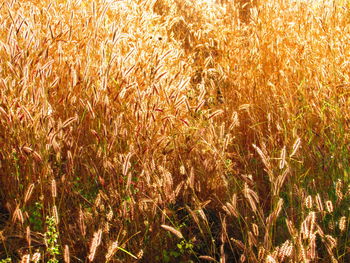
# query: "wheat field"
174,131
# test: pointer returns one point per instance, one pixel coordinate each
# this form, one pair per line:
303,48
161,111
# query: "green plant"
185,247
51,238
35,216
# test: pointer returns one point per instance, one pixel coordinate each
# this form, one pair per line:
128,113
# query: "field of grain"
174,131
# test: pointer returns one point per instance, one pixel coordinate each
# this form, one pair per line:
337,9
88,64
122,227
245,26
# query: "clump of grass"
174,130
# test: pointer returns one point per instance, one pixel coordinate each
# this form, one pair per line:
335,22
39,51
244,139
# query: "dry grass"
174,130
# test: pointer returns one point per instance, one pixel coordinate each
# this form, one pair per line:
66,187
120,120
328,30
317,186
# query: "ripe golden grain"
270,259
329,206
319,203
331,241
173,230
53,188
25,259
208,258
215,113
96,241
272,64
36,257
262,156
55,214
342,223
255,230
69,121
28,236
66,254
28,193
308,202
283,158
296,146
112,249
339,190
